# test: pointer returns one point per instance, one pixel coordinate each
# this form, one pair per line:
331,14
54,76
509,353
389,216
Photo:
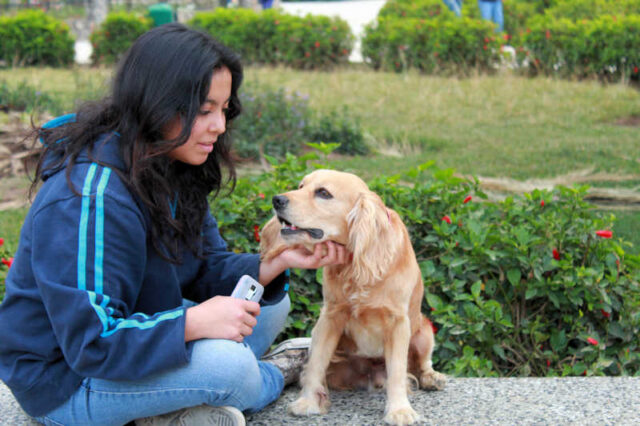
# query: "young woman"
94,327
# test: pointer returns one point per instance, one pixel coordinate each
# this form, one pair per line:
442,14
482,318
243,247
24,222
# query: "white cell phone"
248,289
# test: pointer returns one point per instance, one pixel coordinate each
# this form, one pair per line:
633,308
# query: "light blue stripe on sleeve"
82,231
138,320
99,255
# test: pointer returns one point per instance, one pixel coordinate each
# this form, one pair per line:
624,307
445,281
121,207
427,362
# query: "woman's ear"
271,243
371,238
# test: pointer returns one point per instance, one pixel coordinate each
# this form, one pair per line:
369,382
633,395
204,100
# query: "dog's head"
333,206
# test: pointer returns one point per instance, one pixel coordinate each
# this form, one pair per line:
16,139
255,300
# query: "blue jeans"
455,6
492,11
221,372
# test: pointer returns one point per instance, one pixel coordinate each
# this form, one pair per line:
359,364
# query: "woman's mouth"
208,147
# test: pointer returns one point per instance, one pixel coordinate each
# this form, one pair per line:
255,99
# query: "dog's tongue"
313,232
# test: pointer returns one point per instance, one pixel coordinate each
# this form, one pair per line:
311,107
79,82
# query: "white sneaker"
196,416
289,357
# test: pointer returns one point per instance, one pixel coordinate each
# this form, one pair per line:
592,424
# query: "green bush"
433,46
115,35
519,287
32,38
606,47
591,9
25,97
271,37
272,123
414,9
341,128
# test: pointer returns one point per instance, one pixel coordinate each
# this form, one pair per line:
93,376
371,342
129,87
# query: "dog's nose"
279,202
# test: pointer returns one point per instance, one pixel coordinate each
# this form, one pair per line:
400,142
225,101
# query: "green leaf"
514,275
497,349
476,288
558,340
530,293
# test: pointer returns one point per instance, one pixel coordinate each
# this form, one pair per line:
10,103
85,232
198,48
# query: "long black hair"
165,74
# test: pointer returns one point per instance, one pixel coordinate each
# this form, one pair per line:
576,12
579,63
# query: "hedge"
606,46
31,37
271,37
535,285
114,36
451,45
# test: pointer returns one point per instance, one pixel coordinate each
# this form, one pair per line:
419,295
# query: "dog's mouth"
290,229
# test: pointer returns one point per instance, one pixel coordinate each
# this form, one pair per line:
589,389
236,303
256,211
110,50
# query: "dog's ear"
271,243
371,238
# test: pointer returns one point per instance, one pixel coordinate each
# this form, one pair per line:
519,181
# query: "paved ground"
515,401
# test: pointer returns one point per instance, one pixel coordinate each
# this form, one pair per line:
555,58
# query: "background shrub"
274,122
25,97
341,128
272,37
31,37
520,287
115,35
605,46
439,45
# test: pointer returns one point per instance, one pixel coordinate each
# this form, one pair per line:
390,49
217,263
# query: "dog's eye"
323,193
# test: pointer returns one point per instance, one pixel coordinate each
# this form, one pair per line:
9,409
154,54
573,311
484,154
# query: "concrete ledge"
573,400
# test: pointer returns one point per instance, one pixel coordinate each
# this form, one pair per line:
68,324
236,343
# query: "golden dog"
371,315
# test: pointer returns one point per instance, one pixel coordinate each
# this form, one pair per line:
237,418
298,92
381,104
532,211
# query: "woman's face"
209,124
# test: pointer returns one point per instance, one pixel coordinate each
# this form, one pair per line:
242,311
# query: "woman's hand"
221,317
324,254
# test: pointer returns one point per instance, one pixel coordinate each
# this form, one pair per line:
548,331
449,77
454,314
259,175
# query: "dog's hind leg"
420,350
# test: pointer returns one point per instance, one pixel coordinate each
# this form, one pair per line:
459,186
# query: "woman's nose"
218,123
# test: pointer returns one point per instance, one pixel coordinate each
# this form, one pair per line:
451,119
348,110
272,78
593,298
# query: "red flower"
447,219
635,70
276,22
433,309
1,241
605,313
604,233
466,200
486,40
507,37
261,195
433,327
317,44
548,363
556,254
8,262
307,54
592,341
484,47
547,35
256,233
542,203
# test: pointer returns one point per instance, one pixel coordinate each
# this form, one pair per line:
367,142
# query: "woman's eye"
323,193
204,112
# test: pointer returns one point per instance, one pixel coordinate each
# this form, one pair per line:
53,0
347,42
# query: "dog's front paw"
401,416
306,406
433,381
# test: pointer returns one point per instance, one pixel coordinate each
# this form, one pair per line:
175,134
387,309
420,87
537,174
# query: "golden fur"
370,331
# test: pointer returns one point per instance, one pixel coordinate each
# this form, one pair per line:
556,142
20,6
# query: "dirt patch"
632,121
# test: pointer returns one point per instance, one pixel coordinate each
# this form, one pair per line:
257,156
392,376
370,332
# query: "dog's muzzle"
280,204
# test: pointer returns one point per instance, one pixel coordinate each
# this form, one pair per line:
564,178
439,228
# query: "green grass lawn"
498,126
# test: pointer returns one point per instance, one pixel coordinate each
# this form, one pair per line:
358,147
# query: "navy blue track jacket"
88,295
